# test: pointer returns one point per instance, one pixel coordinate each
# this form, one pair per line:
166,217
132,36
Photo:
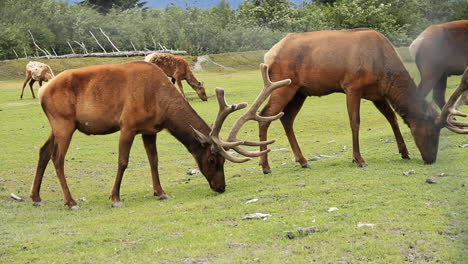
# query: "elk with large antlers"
178,69
361,63
36,71
439,52
135,98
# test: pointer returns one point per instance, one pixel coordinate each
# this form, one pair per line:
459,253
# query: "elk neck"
403,95
181,118
191,78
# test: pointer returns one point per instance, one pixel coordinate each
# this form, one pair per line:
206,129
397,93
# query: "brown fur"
360,63
135,98
440,51
36,71
178,69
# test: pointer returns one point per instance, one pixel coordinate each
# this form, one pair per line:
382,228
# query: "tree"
104,6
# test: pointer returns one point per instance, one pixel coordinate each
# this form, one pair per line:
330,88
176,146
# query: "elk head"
200,89
211,162
427,130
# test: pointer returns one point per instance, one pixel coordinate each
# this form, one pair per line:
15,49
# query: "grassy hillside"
15,69
410,220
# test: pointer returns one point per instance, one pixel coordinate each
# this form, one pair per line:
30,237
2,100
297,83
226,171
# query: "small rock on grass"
290,235
256,216
408,173
442,175
193,172
252,200
314,159
365,225
464,146
307,230
430,181
332,209
16,197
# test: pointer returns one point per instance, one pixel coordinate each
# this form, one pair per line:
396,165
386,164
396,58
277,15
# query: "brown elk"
178,69
135,98
36,71
361,63
439,52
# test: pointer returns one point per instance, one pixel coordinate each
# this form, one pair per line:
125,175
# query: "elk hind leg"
45,154
387,111
62,138
151,151
290,113
125,144
353,103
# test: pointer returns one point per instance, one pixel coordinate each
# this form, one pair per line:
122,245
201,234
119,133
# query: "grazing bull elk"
440,51
135,98
178,69
360,63
36,71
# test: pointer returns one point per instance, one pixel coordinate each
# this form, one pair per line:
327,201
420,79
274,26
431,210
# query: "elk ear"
200,137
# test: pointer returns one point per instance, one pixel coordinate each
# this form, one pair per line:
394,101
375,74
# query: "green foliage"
256,24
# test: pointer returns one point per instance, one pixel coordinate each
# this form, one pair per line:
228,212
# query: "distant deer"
136,98
440,51
363,64
178,69
36,71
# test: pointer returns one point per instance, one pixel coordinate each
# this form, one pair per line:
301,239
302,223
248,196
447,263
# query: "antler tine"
449,110
251,114
224,111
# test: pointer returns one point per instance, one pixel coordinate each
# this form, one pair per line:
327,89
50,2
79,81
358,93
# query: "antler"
251,114
225,109
449,111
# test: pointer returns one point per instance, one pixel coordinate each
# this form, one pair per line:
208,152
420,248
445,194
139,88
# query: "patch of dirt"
205,58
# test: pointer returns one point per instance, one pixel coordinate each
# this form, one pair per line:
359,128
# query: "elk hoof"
75,207
266,171
117,204
363,165
163,197
306,166
37,204
405,157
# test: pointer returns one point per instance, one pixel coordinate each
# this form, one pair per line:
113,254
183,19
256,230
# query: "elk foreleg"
438,93
44,156
181,88
353,103
31,87
278,101
290,113
62,138
151,151
28,77
125,144
387,111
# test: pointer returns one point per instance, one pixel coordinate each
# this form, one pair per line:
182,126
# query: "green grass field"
414,221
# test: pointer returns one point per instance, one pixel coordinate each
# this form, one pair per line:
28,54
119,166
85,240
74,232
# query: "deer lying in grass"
36,71
136,98
363,64
178,69
439,52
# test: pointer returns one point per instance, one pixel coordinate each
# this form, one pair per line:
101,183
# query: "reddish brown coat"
178,69
440,51
360,63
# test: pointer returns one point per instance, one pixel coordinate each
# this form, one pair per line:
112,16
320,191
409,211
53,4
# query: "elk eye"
211,160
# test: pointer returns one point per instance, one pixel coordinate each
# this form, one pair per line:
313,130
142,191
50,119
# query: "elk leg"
28,77
428,82
151,151
44,156
181,88
387,111
125,144
290,113
31,87
278,100
62,138
353,103
438,93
